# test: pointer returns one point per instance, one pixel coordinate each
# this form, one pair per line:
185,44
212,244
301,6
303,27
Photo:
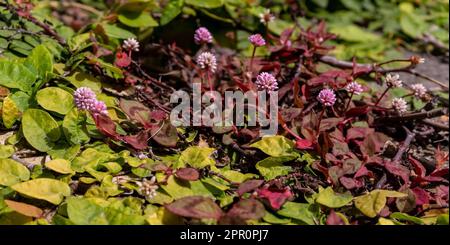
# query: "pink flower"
266,81
354,88
327,97
419,90
257,40
202,35
400,105
131,44
86,100
266,17
207,61
99,107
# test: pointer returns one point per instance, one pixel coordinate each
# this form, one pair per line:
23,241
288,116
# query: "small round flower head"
419,90
400,105
415,60
99,107
118,180
393,80
207,61
266,81
257,40
131,44
266,17
148,188
84,98
202,35
354,88
327,97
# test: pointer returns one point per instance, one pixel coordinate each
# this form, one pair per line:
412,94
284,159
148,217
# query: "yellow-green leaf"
50,190
372,203
12,172
10,112
55,99
61,166
329,198
40,129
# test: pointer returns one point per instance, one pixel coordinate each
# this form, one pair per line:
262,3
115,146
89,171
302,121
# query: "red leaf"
373,143
398,170
329,77
248,209
122,59
136,111
106,126
248,186
304,144
189,174
275,197
138,141
363,171
357,111
334,219
195,207
350,183
166,135
419,169
358,133
422,196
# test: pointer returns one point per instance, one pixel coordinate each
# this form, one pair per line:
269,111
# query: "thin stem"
320,120
348,103
285,127
251,59
382,95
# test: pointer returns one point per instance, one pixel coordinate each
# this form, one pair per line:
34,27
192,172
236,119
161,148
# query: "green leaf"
273,167
354,5
171,11
55,99
405,217
177,188
6,151
81,79
15,75
321,3
40,62
372,203
61,166
353,33
50,190
74,127
10,112
116,32
299,211
83,211
40,129
137,19
412,25
197,157
12,172
329,198
275,146
205,3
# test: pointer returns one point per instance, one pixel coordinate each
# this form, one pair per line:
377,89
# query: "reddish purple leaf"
419,169
189,174
358,133
350,183
136,111
248,186
198,207
422,196
275,197
166,135
106,126
248,209
373,143
398,170
357,111
334,219
138,141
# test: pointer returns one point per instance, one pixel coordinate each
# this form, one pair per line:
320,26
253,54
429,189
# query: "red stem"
382,95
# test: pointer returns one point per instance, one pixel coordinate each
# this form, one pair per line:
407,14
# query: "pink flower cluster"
327,97
207,61
266,81
257,40
85,99
202,36
354,88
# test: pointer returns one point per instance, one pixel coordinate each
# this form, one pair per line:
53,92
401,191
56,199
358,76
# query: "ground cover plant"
88,138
